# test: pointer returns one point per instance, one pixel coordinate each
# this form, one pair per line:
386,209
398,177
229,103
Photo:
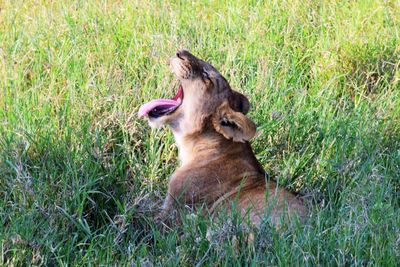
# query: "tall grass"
81,177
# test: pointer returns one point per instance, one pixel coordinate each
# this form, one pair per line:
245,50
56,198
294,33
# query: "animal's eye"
206,75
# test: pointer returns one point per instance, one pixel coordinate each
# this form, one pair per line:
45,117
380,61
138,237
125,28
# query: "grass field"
81,177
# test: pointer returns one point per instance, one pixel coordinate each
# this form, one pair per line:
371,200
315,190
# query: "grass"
81,177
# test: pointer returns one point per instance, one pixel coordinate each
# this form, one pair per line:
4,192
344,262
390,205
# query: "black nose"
179,54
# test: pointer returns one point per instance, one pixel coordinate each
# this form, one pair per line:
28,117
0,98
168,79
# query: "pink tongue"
146,108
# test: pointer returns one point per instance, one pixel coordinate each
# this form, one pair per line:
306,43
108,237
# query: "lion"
217,164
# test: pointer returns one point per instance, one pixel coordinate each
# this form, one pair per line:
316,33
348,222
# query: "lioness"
217,165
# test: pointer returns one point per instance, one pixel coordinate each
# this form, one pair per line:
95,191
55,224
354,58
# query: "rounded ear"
232,124
239,102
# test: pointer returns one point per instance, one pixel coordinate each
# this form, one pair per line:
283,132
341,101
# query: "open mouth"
161,107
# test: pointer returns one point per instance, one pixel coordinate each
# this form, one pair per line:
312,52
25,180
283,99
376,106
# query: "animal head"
204,102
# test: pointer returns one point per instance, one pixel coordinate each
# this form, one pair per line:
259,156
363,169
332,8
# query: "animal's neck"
192,147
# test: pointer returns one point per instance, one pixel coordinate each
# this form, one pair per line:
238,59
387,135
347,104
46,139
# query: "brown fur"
217,163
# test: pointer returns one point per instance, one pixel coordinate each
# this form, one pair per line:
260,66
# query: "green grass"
81,177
